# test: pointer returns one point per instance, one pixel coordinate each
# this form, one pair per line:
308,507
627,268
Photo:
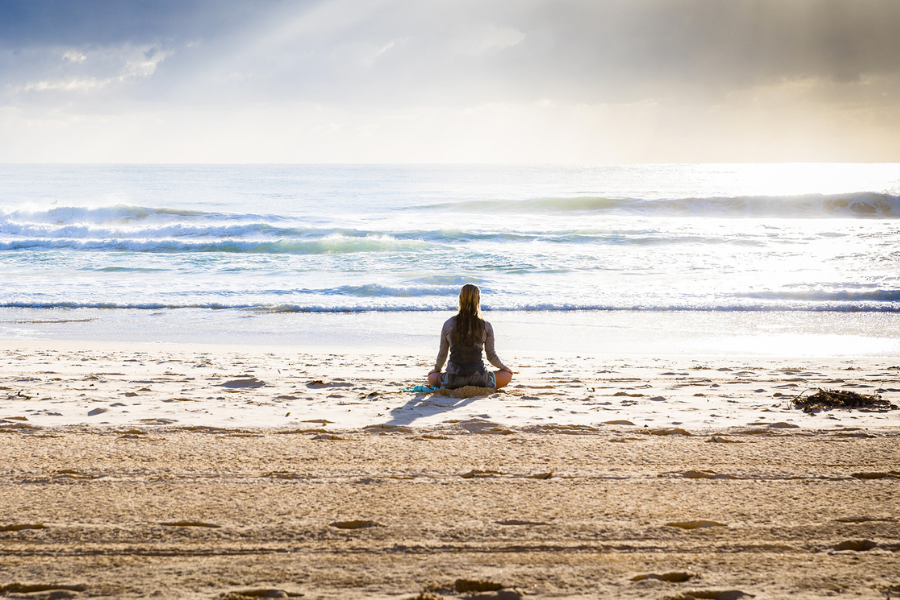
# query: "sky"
449,81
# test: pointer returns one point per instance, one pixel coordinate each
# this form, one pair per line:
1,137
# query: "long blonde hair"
469,321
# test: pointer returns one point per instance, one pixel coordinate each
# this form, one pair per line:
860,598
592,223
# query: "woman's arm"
489,348
445,346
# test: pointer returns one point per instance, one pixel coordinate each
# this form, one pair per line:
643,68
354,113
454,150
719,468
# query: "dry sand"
174,472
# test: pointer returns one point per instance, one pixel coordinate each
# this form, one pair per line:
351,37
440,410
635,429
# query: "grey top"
465,359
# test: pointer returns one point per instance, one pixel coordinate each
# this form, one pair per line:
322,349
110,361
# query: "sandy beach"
234,236
199,472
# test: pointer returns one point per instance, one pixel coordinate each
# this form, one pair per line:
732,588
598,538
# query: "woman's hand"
433,371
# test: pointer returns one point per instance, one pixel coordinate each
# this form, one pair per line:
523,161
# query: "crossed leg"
501,377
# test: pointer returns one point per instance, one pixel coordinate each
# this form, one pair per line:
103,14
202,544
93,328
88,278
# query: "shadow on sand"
426,405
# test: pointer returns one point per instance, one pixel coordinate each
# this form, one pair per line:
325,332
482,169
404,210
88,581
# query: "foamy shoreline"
61,384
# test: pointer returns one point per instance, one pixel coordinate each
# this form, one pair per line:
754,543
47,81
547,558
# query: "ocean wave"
374,290
118,213
86,231
810,206
450,306
876,295
326,245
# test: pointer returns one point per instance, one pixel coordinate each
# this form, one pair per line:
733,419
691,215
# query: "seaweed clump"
826,399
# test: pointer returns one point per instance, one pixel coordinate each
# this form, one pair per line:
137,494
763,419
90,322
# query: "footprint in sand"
244,382
519,522
856,545
698,524
22,526
356,524
259,593
677,577
64,590
477,473
669,431
712,595
888,475
706,475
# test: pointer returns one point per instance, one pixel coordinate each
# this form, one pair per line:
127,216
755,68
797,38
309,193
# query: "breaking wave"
811,206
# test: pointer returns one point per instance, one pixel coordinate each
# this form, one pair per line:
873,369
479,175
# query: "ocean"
574,258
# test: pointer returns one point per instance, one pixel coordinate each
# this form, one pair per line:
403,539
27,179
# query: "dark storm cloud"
424,53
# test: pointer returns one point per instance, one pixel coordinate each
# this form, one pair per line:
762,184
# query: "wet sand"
199,485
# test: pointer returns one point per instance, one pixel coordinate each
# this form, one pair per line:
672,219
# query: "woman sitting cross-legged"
465,336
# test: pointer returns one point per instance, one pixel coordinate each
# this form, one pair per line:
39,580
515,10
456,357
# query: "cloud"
664,69
94,69
462,50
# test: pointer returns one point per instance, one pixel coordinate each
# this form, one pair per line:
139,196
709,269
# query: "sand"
198,472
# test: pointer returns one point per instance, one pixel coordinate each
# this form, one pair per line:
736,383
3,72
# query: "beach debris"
541,475
698,524
190,524
720,439
416,389
618,422
856,545
355,524
827,399
877,475
21,526
676,577
97,411
245,381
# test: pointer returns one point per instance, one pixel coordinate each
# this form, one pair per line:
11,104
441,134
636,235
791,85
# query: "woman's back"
464,337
